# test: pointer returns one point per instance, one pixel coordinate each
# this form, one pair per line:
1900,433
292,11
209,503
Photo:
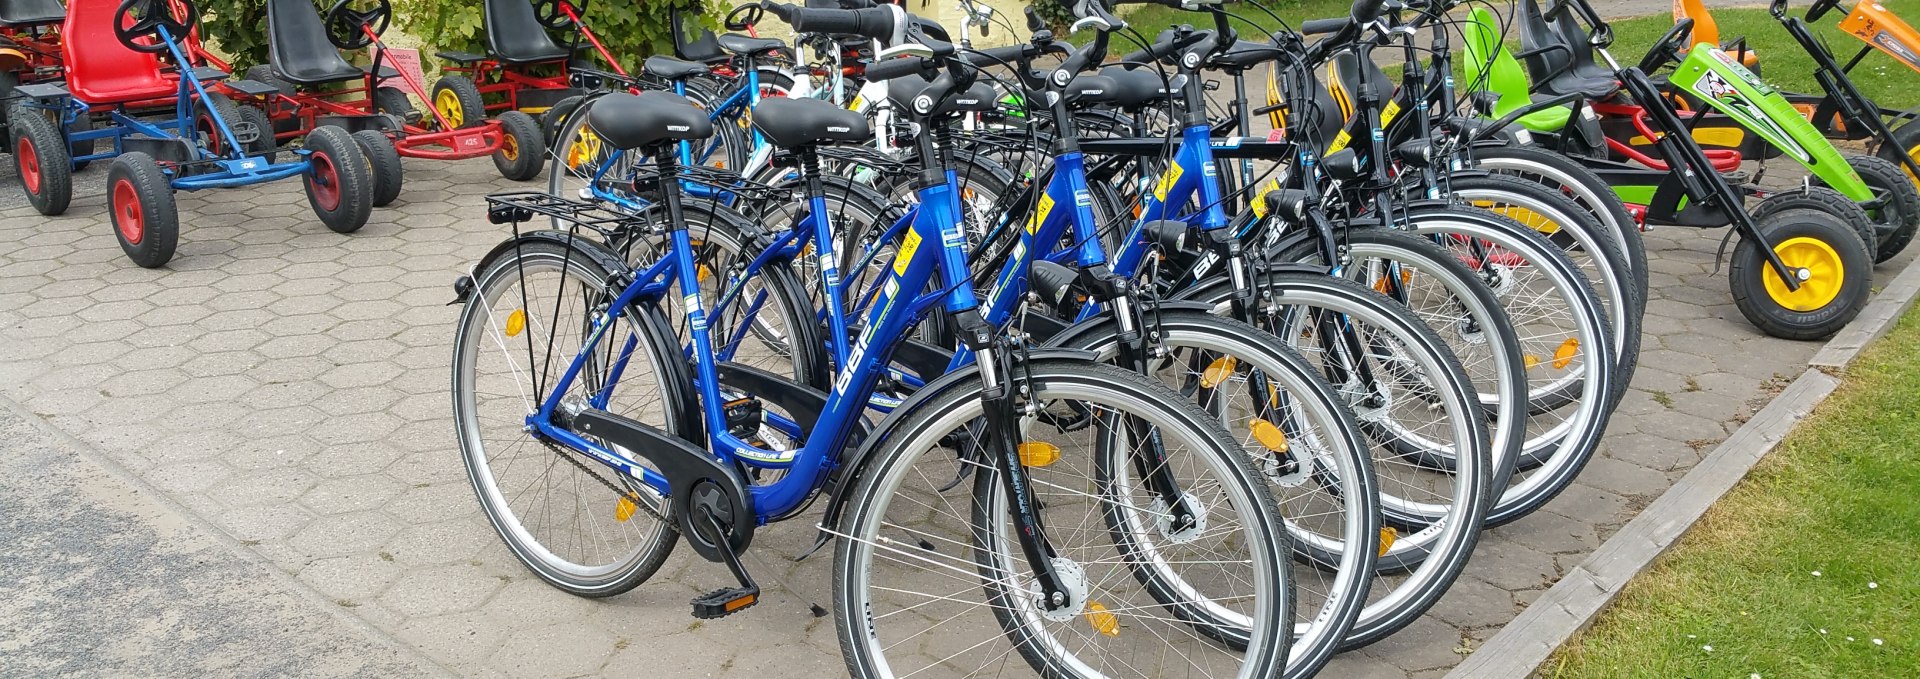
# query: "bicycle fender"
1098,327
854,466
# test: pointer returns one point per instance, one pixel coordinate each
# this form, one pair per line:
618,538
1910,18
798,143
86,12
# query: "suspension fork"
1149,459
1002,439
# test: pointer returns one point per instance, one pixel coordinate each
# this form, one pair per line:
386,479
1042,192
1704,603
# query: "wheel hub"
1817,267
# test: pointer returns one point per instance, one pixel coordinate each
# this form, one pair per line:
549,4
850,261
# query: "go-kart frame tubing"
236,168
1849,102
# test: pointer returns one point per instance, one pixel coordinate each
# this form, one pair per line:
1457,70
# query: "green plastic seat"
1502,75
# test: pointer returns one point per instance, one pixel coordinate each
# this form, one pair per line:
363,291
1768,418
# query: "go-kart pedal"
1736,177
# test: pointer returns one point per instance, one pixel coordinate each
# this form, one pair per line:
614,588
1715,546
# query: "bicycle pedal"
721,603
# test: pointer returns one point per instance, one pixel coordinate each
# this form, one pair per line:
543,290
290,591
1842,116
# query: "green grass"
1783,63
1838,497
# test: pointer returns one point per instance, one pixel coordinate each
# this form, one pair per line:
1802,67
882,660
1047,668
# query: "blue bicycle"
595,439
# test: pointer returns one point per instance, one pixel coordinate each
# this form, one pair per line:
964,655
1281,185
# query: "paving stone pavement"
289,385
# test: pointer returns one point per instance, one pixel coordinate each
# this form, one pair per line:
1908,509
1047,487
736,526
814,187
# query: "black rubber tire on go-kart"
141,210
1906,140
393,100
522,147
338,186
265,145
206,130
554,120
1825,200
1829,248
265,75
384,162
456,97
1895,222
40,160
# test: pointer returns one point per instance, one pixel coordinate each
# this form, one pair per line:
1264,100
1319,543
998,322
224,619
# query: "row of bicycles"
1077,373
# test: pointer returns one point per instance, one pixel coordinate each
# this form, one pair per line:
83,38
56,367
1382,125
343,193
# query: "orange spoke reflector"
1564,355
1102,621
1387,536
516,322
1269,436
1532,361
1218,371
1406,278
1038,454
624,510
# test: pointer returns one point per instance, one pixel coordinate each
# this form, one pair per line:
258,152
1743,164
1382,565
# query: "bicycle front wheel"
928,577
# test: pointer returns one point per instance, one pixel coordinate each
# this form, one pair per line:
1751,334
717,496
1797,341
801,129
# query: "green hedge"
631,29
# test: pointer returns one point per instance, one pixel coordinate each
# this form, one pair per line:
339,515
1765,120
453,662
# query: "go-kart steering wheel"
548,13
1668,47
344,22
136,19
1820,9
744,17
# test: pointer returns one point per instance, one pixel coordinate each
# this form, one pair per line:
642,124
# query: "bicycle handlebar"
878,23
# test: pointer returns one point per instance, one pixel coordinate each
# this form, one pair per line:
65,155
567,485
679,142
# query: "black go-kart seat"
669,68
298,48
1134,89
631,121
903,91
703,48
30,13
743,45
1550,59
1583,63
1345,72
515,36
794,123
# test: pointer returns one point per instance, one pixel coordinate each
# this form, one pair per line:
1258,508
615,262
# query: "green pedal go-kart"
1804,263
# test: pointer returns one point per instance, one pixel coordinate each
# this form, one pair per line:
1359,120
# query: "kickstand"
773,573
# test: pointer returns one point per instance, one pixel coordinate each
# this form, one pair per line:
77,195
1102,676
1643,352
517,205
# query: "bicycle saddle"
671,68
793,123
29,13
1246,54
980,97
515,36
631,121
749,46
1135,88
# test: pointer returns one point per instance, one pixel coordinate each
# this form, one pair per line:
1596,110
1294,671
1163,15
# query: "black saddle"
1246,54
748,46
1551,61
701,46
515,36
631,121
671,68
29,13
903,91
1135,88
793,123
298,48
1091,90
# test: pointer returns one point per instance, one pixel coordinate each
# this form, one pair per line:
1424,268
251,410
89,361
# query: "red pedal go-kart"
165,128
29,51
307,71
524,69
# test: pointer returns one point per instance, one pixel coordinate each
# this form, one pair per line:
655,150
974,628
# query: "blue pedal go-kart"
165,130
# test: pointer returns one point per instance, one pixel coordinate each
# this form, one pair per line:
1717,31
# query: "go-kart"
523,69
316,87
1804,263
165,129
29,50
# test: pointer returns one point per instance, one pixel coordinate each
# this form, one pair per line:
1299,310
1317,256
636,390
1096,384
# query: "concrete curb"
1520,647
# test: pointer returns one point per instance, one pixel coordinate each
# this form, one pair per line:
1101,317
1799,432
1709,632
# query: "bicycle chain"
617,490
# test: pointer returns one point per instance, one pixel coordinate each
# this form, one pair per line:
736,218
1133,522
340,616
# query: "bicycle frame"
886,323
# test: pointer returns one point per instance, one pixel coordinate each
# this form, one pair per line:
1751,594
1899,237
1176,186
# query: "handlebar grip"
872,22
1323,26
1365,11
999,56
898,67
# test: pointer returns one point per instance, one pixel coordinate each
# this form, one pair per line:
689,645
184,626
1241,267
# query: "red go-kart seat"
100,70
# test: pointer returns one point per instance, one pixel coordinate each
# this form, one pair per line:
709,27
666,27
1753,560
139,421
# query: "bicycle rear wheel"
576,523
928,580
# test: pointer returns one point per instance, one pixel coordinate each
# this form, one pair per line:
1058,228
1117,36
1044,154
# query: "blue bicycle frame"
886,323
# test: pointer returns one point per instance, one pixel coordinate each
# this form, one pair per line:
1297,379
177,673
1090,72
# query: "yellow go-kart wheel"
457,99
1827,258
